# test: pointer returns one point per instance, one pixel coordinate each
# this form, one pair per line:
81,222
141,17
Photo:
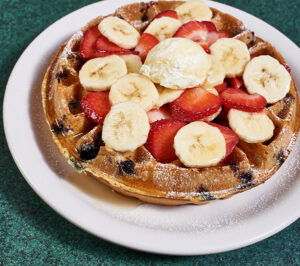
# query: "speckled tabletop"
31,233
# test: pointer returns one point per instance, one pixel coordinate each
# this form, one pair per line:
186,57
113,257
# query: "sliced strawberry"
100,53
203,32
195,30
95,105
145,44
195,104
87,44
167,13
161,139
214,36
159,114
236,82
239,99
105,47
221,87
231,138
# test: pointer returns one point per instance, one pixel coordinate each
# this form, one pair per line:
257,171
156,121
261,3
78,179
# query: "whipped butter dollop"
177,63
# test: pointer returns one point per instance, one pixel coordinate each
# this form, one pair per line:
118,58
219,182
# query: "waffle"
138,174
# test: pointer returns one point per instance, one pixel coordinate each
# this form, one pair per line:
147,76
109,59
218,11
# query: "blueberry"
88,151
126,167
280,158
246,177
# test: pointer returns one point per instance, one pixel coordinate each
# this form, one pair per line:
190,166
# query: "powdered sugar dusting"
218,214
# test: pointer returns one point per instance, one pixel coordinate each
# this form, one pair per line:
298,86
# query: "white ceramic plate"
188,230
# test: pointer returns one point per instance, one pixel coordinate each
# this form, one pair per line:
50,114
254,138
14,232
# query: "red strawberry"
236,82
87,44
221,87
158,114
231,138
203,32
195,104
146,43
167,13
195,30
214,36
96,105
161,139
105,45
99,53
239,99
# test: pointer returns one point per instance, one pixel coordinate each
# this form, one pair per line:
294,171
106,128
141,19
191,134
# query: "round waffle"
137,173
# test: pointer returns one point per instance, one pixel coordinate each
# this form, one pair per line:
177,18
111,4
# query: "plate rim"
69,218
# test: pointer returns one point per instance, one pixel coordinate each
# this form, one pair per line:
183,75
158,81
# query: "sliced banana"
119,32
233,54
251,127
266,76
163,28
99,74
199,145
134,88
166,95
216,74
125,127
133,63
211,90
194,10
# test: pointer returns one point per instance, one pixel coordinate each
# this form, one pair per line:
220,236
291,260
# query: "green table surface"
31,233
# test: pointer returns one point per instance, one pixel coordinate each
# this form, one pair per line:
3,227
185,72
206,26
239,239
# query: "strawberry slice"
95,105
159,114
195,104
145,44
161,139
231,138
87,44
221,87
104,47
214,36
203,32
167,13
239,99
236,82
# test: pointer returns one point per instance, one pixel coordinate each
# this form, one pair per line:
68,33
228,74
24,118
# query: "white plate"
188,230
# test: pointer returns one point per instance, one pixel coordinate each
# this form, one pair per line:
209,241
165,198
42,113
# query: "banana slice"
266,76
216,73
163,28
99,74
119,32
251,127
166,95
233,54
134,88
125,127
212,90
199,145
133,63
193,10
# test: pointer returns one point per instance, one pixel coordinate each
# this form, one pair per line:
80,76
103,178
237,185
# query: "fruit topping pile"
162,88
